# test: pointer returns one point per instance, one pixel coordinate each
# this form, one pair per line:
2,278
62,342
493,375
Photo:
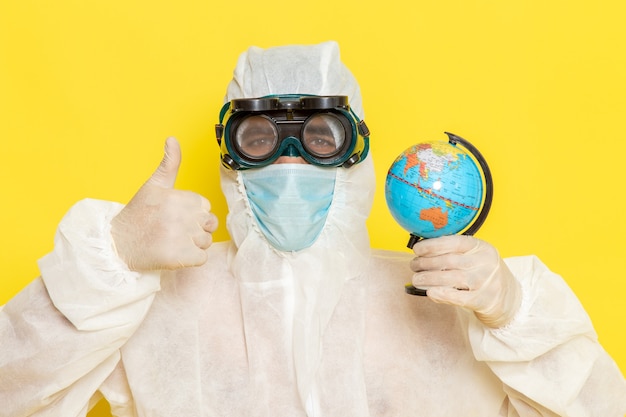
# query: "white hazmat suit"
326,331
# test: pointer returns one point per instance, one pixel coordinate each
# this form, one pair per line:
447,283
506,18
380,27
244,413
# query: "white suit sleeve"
548,357
61,335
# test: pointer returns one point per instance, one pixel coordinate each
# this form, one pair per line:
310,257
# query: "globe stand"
479,220
413,240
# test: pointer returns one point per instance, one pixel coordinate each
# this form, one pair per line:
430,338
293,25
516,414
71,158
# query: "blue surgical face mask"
290,202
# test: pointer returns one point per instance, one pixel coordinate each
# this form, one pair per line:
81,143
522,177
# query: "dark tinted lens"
323,135
256,137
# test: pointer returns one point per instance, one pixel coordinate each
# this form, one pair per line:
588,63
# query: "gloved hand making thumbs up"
161,227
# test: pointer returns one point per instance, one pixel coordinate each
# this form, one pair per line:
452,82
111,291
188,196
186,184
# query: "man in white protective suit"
297,315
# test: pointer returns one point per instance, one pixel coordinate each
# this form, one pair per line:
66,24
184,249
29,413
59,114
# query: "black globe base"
413,240
411,290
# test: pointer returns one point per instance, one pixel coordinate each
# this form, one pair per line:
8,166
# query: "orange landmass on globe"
436,216
412,160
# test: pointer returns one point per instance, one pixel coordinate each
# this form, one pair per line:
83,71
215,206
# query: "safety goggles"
323,130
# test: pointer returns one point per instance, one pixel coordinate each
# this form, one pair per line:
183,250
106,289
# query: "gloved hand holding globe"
439,188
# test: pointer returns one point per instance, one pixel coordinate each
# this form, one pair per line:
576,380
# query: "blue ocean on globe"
434,189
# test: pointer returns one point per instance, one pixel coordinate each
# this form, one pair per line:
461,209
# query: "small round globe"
435,189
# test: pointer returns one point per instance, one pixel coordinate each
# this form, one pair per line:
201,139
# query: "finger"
451,296
210,223
194,256
449,279
207,221
205,204
165,174
448,261
445,244
203,240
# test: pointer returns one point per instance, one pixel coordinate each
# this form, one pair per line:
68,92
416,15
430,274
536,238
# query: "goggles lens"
256,137
258,131
323,135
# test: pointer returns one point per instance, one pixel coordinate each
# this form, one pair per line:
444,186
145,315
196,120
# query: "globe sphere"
439,188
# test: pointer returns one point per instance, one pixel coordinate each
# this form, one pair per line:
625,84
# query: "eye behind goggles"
323,130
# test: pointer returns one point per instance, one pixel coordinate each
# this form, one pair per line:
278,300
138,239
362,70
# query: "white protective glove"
467,272
164,228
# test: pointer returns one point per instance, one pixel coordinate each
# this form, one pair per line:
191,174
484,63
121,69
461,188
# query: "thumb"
165,174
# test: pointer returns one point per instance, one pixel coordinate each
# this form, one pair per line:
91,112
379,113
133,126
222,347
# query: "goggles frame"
291,108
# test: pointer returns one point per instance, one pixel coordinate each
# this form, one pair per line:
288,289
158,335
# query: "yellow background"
90,89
